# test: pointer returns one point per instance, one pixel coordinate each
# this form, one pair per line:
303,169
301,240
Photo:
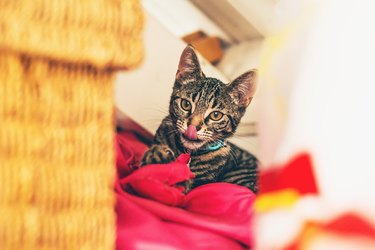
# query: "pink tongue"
191,132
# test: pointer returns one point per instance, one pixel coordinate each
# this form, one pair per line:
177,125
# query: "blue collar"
210,147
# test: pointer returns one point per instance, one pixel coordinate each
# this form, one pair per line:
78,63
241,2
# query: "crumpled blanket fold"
153,213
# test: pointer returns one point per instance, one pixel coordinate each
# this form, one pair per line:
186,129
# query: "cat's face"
203,109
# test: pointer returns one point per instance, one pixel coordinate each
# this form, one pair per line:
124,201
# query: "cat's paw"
158,154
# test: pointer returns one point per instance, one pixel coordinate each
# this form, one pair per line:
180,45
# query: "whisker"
172,132
159,109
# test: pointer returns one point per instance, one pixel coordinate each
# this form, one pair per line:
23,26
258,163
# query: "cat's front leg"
158,154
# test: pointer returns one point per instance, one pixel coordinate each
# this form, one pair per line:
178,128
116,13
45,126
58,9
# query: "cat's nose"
191,133
196,121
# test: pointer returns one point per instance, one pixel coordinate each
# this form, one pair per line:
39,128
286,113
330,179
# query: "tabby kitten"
203,113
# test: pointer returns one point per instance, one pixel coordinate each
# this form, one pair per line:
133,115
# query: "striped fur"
194,99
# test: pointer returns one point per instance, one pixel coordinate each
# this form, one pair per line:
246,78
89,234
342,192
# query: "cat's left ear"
242,89
189,69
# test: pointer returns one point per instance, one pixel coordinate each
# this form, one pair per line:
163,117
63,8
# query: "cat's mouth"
190,140
191,144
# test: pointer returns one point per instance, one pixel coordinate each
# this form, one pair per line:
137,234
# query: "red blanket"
153,213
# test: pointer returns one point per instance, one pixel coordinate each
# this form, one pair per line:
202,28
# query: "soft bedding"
153,213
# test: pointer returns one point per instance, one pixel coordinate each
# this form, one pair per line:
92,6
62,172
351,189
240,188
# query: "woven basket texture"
58,60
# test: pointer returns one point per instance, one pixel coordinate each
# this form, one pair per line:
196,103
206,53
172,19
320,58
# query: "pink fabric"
153,213
158,181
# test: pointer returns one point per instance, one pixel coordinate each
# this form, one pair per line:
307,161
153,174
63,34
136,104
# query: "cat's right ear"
242,89
189,69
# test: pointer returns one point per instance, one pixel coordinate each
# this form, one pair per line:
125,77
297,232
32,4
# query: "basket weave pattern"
55,153
56,119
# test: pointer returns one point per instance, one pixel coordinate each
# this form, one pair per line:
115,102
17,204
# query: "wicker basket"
57,64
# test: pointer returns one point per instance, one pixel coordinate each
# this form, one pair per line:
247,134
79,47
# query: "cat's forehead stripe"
194,96
214,104
211,98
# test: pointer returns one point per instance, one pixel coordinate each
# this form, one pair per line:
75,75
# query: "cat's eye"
185,105
216,115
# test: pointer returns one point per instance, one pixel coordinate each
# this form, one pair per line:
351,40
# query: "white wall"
181,17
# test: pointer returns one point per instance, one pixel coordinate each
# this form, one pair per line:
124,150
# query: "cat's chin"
190,144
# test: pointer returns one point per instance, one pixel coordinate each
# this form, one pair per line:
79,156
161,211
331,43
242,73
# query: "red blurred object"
346,225
297,174
213,216
351,224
